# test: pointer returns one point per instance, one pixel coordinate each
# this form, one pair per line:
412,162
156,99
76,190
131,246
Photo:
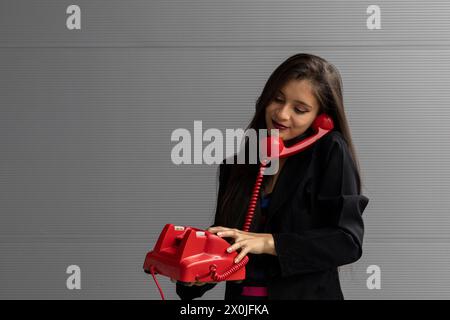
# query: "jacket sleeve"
192,292
340,207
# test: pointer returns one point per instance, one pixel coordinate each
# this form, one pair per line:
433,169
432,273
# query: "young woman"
308,221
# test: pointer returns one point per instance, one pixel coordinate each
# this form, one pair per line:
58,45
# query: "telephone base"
188,254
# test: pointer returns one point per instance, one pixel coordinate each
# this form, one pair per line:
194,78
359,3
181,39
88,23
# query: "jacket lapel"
290,176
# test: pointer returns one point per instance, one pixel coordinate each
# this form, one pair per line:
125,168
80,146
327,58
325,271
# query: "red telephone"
188,254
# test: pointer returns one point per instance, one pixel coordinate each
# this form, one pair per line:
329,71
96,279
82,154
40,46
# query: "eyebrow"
298,101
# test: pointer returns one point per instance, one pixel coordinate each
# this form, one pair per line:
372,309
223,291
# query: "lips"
278,126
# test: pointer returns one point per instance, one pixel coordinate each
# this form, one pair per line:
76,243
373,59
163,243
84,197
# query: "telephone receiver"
189,254
321,126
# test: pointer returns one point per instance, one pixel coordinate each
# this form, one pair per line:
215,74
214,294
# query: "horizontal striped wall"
86,117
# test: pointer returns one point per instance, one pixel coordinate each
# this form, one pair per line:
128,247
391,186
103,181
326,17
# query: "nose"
283,112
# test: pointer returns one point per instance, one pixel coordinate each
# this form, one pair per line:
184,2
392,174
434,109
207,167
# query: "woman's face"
293,109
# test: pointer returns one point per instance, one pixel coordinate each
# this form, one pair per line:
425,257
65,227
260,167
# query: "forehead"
301,91
298,89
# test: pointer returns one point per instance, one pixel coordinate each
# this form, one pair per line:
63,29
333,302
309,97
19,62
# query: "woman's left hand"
248,242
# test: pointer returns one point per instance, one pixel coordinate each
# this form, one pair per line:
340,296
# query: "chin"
284,137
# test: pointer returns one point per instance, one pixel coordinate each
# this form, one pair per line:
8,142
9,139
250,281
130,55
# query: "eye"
300,111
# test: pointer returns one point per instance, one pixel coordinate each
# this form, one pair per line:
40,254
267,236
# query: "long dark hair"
327,87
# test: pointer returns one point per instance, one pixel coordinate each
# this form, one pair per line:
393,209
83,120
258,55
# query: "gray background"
86,117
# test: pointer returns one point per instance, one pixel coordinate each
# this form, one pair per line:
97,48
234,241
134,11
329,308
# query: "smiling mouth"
278,126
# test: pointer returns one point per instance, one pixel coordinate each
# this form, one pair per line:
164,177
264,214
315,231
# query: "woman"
309,218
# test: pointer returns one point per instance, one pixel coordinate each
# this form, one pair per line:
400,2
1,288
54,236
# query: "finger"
237,245
242,254
217,229
233,233
224,233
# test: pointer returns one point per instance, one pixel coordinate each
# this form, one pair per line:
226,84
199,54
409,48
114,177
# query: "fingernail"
236,260
229,249
219,233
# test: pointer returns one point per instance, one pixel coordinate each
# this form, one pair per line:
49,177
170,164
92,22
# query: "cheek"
299,126
303,120
270,109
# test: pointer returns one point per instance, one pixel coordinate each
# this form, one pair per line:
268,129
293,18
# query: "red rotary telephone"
188,254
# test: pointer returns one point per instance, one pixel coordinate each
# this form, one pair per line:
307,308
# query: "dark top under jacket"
315,217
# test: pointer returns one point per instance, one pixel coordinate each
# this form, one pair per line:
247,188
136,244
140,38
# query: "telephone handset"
321,126
189,254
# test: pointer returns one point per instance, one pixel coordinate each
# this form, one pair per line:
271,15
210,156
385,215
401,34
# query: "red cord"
152,270
254,198
248,221
229,272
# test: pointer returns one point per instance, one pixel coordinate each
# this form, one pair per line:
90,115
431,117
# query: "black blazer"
315,217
